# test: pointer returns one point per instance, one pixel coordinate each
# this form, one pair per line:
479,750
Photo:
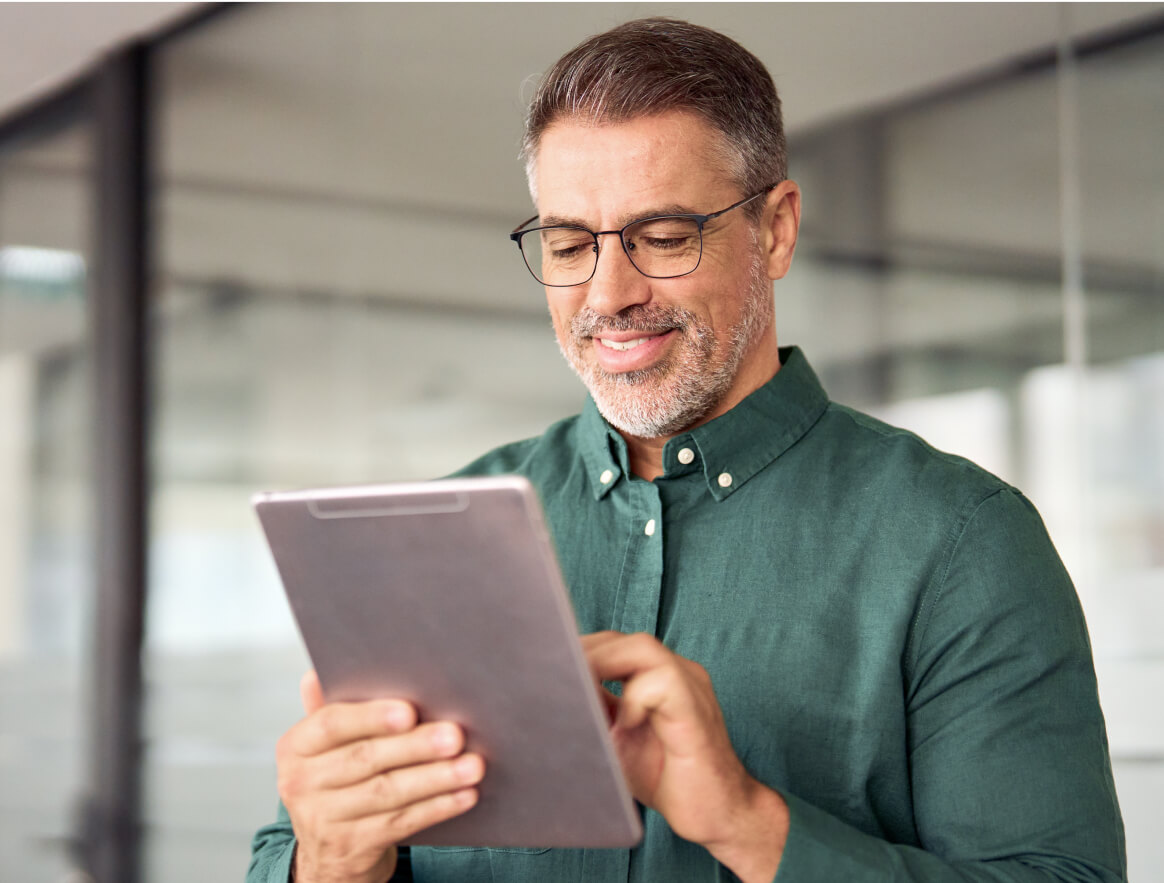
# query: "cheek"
560,315
728,297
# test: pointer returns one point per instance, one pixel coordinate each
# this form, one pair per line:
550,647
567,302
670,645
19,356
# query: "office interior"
323,293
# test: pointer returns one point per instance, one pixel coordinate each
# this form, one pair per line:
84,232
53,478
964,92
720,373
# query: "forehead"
592,171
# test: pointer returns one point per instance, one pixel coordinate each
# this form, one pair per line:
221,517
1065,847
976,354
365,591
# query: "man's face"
658,355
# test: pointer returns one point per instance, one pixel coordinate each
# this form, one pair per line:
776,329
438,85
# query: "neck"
646,455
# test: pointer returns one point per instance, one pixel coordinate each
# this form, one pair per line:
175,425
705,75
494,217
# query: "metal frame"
119,340
49,114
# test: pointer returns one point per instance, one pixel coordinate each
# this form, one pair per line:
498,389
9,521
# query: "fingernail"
446,737
398,716
468,769
467,797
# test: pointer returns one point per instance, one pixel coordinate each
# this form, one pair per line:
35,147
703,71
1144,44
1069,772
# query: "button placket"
642,575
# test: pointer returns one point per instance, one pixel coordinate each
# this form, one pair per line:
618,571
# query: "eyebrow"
567,221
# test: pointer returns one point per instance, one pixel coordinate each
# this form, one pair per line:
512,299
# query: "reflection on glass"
1121,106
46,497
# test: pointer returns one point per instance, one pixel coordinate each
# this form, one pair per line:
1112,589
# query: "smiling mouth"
622,345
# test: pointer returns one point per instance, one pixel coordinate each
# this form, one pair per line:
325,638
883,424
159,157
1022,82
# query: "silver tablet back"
448,594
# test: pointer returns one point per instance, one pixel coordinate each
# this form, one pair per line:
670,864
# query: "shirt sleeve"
272,850
1009,765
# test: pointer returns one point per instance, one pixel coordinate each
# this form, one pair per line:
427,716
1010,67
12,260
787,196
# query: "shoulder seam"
930,598
888,431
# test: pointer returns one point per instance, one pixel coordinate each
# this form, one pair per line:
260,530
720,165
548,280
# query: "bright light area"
973,424
46,266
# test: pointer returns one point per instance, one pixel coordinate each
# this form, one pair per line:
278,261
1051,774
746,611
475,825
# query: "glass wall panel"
927,283
46,498
1121,121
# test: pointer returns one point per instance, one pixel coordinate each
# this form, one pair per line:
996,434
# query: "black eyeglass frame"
699,220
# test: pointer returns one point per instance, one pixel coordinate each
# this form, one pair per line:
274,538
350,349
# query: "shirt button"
606,477
649,530
686,455
725,479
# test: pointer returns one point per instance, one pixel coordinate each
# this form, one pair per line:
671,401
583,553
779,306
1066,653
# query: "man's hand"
358,778
678,759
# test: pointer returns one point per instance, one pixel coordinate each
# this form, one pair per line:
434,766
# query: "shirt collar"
730,449
604,451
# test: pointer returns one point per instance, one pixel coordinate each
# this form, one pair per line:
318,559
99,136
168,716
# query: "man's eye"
567,251
664,236
666,243
565,248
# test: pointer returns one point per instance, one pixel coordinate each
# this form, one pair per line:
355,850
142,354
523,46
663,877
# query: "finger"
339,723
597,639
400,788
622,657
656,691
310,692
397,826
361,760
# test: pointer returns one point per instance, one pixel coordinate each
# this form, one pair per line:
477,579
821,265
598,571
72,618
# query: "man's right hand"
358,778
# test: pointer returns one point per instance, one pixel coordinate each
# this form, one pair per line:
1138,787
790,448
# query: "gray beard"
681,390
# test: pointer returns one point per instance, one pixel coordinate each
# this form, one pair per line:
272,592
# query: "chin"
664,410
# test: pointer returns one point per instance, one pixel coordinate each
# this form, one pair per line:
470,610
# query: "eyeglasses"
661,247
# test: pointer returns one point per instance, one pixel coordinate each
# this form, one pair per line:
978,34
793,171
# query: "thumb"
311,692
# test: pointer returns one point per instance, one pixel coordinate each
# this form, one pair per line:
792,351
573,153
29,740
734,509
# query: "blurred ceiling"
830,58
44,45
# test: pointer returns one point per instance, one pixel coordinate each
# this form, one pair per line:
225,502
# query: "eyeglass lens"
659,247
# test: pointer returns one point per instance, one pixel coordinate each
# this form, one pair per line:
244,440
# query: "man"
843,656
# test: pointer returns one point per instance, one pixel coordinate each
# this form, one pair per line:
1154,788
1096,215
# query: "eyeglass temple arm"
711,217
516,234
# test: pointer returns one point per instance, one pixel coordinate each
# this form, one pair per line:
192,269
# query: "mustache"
653,319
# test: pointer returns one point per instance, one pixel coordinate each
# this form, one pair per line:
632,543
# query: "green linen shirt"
896,647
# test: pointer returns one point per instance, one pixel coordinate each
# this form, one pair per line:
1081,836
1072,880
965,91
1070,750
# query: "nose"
616,284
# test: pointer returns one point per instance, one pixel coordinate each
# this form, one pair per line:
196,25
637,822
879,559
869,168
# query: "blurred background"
325,294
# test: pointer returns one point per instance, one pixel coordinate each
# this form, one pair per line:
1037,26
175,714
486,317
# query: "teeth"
622,345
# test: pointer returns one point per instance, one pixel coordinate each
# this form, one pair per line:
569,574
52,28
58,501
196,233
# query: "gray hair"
654,65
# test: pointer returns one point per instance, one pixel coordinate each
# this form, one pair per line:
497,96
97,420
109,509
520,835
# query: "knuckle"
284,748
649,645
698,670
703,676
360,754
327,723
289,785
387,790
396,824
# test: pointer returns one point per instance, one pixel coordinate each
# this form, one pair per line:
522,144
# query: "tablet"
448,594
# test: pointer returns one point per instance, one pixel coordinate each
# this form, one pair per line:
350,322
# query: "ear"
781,223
